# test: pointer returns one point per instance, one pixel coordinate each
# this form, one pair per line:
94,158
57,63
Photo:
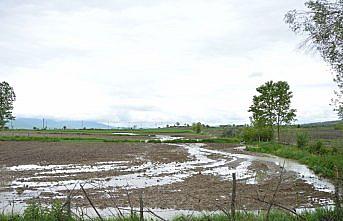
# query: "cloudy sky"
156,61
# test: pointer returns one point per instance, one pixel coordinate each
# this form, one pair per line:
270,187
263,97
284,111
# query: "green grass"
95,139
324,165
110,131
207,140
56,212
276,215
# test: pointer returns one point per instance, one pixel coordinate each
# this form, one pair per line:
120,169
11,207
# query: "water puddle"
302,171
167,137
66,177
125,133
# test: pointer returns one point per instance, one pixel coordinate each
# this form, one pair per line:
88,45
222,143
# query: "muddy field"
170,176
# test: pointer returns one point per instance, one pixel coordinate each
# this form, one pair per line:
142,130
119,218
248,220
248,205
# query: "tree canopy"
7,97
323,24
272,105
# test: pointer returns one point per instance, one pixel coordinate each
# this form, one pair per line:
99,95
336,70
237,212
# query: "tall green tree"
322,23
7,98
272,106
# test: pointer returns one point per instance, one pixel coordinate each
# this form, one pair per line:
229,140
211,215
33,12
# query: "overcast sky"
156,61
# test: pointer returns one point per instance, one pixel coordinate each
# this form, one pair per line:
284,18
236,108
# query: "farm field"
171,177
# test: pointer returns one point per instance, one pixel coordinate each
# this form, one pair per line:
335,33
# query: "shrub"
302,140
338,127
229,132
251,134
197,127
334,150
317,148
37,212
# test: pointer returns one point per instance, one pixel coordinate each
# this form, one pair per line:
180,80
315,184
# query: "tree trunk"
278,129
278,133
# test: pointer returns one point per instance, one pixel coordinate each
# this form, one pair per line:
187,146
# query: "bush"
302,140
197,127
230,132
37,212
338,127
251,134
318,148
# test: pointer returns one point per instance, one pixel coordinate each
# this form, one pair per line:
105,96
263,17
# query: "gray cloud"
154,60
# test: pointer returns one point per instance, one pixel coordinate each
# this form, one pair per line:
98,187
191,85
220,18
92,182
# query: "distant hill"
29,123
322,124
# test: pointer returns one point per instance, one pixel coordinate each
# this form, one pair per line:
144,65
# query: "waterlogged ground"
170,176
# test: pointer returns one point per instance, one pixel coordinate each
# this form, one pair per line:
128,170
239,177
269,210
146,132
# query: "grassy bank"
56,212
207,140
322,164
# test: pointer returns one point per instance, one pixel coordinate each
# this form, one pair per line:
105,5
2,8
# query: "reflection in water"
63,177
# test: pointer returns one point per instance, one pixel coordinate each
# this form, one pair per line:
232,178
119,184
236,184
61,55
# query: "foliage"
275,215
7,97
230,132
251,134
208,140
338,127
302,139
197,127
324,164
323,24
37,212
318,148
272,105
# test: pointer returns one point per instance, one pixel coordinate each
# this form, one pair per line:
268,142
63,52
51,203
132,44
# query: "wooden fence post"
233,197
141,206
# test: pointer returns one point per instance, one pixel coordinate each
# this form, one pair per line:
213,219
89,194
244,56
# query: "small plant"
302,140
338,127
316,148
197,127
37,212
251,134
229,132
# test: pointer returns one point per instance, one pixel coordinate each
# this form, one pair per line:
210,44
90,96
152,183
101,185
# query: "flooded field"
171,177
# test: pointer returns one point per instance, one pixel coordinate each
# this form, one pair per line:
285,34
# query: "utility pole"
43,124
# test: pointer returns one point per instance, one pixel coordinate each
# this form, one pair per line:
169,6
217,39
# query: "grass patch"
324,164
208,140
95,139
56,212
110,131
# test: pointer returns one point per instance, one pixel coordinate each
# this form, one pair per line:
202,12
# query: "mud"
170,176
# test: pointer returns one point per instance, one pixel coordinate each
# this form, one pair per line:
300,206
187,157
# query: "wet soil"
46,153
200,191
